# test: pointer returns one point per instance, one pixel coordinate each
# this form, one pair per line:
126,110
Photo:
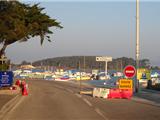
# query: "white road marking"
18,103
69,90
100,113
14,107
85,100
58,86
78,95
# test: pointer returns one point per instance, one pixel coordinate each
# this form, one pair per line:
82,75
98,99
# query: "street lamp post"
84,61
80,84
137,43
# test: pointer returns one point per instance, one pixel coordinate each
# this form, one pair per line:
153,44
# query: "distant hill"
89,62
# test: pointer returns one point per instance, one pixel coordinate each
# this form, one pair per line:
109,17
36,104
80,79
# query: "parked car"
103,76
49,78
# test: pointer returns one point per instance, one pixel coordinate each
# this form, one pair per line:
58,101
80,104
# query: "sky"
99,28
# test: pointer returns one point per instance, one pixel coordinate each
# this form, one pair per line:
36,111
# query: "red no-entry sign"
129,71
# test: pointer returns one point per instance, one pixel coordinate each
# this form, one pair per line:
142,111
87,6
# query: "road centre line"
100,113
86,101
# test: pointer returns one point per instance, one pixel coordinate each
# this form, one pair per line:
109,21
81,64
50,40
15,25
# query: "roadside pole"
105,59
106,69
80,84
137,45
130,73
84,61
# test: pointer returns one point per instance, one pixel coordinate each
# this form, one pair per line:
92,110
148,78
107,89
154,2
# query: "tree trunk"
2,51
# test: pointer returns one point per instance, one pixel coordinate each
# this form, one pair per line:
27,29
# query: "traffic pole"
137,44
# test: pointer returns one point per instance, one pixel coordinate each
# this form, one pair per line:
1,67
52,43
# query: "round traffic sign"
129,71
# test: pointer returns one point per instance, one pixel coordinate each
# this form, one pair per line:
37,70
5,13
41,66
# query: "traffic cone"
24,91
18,82
23,83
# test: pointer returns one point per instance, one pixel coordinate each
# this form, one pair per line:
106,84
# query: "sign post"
125,84
106,59
129,71
6,78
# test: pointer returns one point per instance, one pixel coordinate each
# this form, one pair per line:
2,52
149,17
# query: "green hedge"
4,67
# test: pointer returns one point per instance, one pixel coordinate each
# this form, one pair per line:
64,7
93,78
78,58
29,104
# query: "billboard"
105,58
143,73
6,78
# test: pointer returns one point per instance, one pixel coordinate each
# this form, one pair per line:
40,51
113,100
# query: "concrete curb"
145,101
8,106
151,91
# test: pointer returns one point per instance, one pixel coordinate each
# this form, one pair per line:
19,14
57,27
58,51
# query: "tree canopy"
20,22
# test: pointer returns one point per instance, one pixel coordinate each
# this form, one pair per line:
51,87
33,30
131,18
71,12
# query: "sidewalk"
148,96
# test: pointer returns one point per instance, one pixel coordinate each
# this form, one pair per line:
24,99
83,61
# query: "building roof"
27,67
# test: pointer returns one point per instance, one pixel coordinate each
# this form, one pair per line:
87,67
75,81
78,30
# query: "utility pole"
84,61
106,59
137,43
121,65
80,84
106,69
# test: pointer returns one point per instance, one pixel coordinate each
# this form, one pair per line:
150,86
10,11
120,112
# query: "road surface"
50,100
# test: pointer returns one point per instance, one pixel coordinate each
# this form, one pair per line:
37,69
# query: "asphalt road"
50,100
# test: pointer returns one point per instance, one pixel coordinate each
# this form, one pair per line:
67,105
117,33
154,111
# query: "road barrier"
112,93
115,93
101,92
120,93
127,93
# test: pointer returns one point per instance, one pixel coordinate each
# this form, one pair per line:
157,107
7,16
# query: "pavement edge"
145,101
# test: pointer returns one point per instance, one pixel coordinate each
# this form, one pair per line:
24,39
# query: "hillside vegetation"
89,62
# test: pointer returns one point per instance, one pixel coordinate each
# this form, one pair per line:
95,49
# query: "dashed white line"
100,113
85,100
90,104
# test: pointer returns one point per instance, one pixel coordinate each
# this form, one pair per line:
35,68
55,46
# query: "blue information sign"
6,78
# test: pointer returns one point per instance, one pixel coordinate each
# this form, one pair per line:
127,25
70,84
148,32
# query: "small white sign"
103,58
